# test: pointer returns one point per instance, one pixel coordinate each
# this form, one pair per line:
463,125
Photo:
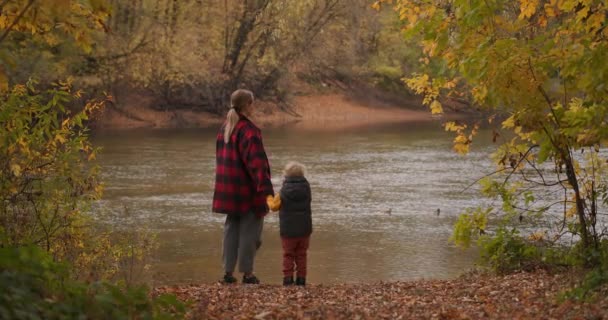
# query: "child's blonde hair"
294,169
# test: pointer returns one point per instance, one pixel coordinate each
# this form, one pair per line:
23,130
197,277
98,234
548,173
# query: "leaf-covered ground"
516,296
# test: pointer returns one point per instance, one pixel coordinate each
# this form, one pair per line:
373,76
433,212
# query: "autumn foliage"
536,67
539,68
54,258
47,180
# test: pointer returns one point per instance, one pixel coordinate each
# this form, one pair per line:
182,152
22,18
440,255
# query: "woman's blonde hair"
294,169
239,99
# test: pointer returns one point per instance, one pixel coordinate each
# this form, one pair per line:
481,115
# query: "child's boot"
300,281
288,281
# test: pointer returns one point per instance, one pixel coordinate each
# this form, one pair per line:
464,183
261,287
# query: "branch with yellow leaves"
6,32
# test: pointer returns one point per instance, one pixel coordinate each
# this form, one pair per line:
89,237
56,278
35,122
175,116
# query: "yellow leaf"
537,236
567,5
576,104
595,21
436,107
582,13
461,148
527,8
418,83
461,139
550,11
461,144
517,129
60,138
428,47
509,122
452,126
449,126
480,93
16,169
571,212
451,84
3,22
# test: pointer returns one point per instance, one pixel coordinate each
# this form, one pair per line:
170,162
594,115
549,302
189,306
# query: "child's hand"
274,203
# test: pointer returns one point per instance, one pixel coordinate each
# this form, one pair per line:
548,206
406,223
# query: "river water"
385,199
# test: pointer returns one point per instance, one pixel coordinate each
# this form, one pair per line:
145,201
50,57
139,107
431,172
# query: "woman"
242,185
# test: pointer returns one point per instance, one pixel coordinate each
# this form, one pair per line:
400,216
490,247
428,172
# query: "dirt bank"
335,111
517,296
318,111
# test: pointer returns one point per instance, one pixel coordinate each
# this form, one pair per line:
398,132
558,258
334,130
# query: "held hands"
274,203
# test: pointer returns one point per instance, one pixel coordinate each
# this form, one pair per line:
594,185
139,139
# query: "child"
293,203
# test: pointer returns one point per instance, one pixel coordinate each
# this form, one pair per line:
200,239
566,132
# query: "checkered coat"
242,174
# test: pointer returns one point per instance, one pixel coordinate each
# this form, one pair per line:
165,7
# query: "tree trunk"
174,21
135,14
580,202
251,12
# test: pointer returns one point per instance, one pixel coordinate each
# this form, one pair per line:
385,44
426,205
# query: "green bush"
36,287
596,277
506,251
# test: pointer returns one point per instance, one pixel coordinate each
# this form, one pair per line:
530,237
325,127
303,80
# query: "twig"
485,176
518,163
540,174
542,209
29,4
544,183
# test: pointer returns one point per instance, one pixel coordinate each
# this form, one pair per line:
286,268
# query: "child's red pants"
294,255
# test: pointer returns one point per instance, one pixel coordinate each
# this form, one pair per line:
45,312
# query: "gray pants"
242,238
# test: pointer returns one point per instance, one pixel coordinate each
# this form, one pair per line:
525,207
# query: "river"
385,199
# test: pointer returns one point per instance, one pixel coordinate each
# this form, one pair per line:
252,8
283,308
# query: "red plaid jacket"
242,173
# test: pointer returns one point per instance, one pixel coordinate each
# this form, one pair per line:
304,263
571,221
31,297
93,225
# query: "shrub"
36,287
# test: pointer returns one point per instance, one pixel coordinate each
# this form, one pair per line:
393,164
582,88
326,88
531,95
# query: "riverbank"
526,295
319,111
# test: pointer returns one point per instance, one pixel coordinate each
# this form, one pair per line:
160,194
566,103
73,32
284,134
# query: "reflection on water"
165,179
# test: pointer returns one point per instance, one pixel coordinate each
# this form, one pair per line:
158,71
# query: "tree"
48,177
252,44
35,30
542,63
47,180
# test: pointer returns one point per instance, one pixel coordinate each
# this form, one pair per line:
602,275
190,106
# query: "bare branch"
543,208
485,176
543,183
